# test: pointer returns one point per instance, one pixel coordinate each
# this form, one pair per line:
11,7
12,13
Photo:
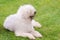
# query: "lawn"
48,14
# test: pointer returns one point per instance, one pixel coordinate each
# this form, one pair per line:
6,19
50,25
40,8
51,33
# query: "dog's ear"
30,12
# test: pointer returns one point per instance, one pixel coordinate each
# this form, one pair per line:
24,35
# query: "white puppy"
22,23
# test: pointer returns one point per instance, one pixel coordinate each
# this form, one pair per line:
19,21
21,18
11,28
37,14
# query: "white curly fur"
21,23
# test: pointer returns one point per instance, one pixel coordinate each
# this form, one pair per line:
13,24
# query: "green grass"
48,14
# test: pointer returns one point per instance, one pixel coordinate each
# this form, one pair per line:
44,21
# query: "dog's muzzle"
31,17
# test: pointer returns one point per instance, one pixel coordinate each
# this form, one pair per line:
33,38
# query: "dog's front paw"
39,35
38,24
36,34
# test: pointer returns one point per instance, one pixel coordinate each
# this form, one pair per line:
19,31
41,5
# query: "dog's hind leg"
30,36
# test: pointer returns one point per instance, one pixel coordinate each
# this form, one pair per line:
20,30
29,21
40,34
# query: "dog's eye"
35,12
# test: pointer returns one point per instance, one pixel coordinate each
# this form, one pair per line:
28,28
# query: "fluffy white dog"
22,23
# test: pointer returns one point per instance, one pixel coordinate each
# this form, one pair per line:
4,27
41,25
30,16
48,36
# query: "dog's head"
27,11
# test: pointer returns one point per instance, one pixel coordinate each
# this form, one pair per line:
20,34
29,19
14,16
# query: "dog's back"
9,22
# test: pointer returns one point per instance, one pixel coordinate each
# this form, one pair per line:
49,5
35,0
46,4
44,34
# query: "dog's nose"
35,12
